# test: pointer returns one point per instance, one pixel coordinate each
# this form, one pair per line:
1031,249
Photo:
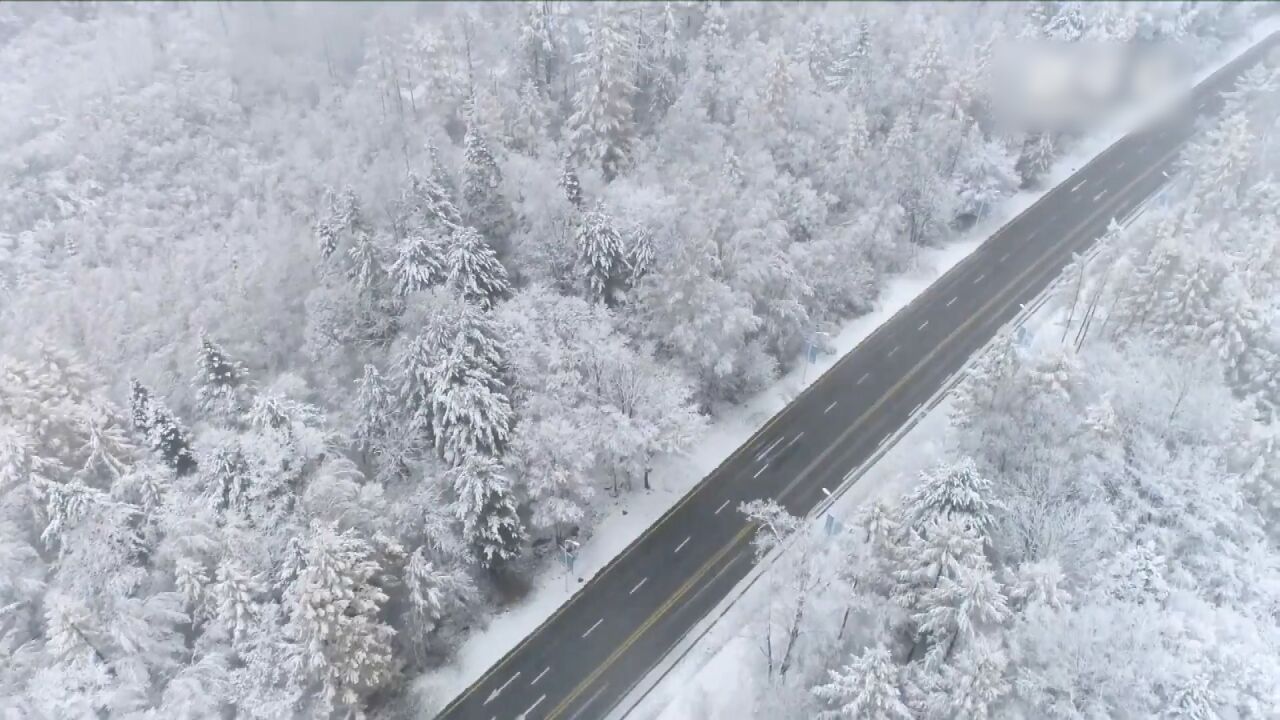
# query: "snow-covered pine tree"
601,125
233,598
221,381
971,685
436,589
417,264
485,505
869,686
529,126
376,411
539,50
341,224
955,491
473,269
601,258
569,182
487,208
959,605
639,254
335,610
451,379
164,433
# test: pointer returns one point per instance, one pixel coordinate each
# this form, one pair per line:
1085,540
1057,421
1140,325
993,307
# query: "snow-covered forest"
317,320
1103,538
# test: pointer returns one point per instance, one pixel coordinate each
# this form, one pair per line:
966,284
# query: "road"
586,657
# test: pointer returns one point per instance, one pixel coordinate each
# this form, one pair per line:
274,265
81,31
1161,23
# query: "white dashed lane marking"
1079,185
645,580
923,325
766,451
545,670
535,704
593,627
951,302
824,412
980,278
762,469
717,512
678,548
863,378
1098,197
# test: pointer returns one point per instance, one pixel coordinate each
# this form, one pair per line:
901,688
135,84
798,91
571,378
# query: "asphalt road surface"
586,657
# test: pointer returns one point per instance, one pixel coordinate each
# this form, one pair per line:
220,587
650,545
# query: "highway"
588,655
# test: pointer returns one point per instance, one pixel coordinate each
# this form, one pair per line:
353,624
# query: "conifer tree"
602,119
163,432
487,208
221,381
601,257
474,271
334,616
486,507
569,182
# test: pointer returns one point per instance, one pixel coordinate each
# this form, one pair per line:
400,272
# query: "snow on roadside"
695,687
623,519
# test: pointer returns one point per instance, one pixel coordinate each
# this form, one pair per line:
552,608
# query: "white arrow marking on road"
678,548
824,412
642,582
545,670
1079,185
952,300
593,627
762,469
1098,197
495,693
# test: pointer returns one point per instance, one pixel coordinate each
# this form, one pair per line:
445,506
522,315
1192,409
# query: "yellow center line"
745,531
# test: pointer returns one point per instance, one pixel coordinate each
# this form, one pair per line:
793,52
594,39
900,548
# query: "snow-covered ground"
627,516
